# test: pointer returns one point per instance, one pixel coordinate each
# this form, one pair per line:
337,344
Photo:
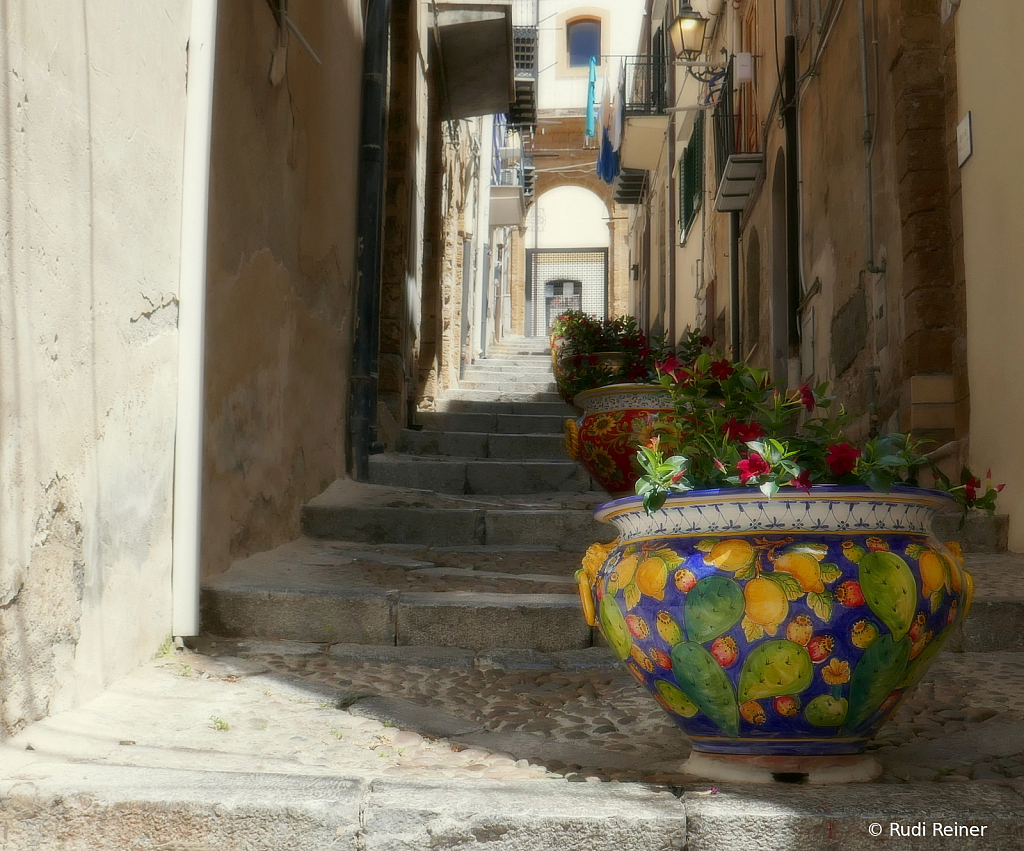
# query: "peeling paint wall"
281,271
93,103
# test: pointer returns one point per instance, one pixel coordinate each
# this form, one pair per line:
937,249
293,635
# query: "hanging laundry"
607,157
591,96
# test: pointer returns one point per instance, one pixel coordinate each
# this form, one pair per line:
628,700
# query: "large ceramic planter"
604,439
565,361
784,626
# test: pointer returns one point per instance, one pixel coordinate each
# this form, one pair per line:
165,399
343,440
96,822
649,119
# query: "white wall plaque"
964,140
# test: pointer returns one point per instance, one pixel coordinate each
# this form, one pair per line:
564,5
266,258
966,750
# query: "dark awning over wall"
476,56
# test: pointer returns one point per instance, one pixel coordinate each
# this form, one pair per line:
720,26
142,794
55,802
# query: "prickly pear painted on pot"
615,420
789,626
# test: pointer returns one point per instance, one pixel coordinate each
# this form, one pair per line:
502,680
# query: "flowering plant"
582,342
733,427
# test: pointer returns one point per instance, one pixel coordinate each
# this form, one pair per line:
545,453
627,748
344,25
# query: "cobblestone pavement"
964,722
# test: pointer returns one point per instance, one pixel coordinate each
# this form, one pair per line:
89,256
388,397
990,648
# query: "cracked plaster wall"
93,101
281,272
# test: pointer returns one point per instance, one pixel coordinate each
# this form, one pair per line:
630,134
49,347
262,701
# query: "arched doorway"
567,242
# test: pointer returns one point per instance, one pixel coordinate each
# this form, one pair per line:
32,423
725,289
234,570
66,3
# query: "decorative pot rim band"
827,508
639,390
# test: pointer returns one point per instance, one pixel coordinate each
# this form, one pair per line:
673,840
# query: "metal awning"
476,58
738,179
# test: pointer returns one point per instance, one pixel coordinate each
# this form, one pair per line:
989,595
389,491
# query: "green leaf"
748,571
830,572
821,604
769,488
787,582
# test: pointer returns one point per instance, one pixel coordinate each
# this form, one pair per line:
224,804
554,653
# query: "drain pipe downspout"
366,335
195,217
869,146
793,227
734,281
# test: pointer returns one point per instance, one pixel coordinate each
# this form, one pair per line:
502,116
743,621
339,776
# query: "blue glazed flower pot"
784,626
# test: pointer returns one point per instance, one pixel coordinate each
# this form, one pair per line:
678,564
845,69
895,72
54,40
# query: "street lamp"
687,36
687,32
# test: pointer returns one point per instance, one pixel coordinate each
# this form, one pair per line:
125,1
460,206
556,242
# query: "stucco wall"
988,44
93,100
281,272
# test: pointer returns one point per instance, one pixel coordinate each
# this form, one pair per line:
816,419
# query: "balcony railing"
645,87
738,161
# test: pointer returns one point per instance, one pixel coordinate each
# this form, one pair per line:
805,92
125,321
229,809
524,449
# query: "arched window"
583,39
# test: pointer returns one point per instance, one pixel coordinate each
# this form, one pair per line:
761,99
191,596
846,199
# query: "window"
583,40
691,177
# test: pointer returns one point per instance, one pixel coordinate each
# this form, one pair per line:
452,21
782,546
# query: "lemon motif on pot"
766,603
652,577
732,554
804,568
934,573
622,574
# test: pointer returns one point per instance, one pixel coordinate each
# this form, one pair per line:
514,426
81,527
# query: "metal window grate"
549,271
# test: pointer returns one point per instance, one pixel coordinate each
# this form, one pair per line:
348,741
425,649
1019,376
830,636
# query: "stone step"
470,421
469,476
503,396
977,533
781,816
354,511
483,445
558,408
317,591
504,388
502,367
996,618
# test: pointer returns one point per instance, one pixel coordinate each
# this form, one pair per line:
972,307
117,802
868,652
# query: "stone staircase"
467,536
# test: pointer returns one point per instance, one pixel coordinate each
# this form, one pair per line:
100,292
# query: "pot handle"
572,439
958,554
586,576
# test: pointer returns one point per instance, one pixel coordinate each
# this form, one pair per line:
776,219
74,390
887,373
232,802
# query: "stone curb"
804,818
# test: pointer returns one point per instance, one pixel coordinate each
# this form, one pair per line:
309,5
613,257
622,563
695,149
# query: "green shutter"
691,179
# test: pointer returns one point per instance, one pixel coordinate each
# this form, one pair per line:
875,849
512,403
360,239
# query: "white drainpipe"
188,439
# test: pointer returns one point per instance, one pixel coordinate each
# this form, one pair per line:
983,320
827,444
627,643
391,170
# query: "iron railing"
645,85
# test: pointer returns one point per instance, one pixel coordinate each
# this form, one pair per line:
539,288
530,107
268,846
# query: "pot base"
815,770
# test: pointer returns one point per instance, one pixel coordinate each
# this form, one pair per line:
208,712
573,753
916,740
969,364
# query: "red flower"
752,467
803,481
722,369
706,341
807,398
735,430
842,458
669,365
971,488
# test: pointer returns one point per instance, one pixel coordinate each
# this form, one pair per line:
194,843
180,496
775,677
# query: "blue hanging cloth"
607,159
591,96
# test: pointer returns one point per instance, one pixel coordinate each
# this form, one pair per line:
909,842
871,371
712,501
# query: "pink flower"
803,481
842,458
752,467
807,398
